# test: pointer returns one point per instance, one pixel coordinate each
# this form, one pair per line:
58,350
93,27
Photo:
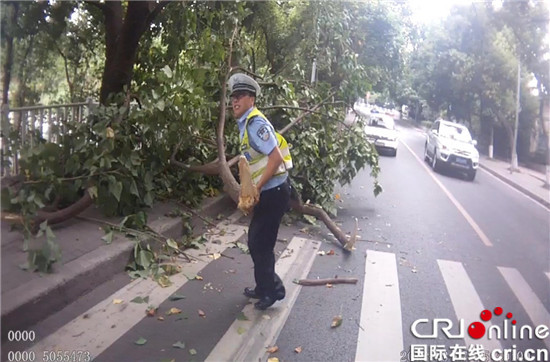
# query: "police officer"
269,159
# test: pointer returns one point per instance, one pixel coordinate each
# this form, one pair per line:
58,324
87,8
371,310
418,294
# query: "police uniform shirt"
261,137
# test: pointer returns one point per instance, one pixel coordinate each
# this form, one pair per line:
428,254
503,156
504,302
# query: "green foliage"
121,155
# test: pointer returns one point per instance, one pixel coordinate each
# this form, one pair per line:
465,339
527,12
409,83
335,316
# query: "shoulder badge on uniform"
263,133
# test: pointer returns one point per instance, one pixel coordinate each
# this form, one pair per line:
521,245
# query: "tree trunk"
6,80
122,35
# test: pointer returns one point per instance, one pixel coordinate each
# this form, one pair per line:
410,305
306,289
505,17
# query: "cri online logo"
477,330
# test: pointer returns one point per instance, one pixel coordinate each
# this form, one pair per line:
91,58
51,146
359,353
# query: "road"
432,246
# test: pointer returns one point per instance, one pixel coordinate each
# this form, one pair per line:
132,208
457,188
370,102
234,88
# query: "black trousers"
262,236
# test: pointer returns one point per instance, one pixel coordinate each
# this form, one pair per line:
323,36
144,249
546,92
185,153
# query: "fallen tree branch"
320,214
316,282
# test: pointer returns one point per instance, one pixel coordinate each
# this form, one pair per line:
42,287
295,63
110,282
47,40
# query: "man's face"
241,102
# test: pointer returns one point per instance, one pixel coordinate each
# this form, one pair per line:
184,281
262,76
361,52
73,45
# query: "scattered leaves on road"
164,281
241,330
336,321
141,341
331,252
201,313
329,285
298,349
272,349
140,300
173,311
192,351
161,318
198,277
117,301
179,344
273,359
175,297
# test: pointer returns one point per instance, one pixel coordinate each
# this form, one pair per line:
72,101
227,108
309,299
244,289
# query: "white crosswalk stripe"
246,340
381,338
465,299
528,299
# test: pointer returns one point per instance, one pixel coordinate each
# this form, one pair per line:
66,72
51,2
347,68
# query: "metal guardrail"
46,122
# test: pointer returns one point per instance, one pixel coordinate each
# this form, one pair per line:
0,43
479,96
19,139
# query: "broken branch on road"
316,282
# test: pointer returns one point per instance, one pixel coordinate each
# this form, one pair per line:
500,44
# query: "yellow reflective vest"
257,160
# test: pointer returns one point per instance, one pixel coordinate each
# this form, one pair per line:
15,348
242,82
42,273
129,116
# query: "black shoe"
266,302
251,293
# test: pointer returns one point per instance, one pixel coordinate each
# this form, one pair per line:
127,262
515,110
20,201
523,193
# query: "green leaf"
172,243
145,258
243,247
140,300
310,219
242,317
192,351
164,281
241,330
134,189
179,344
116,190
141,341
108,238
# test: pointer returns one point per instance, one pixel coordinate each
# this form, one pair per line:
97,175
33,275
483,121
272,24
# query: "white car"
381,131
450,145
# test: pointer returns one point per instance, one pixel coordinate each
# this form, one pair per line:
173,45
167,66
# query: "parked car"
450,145
381,131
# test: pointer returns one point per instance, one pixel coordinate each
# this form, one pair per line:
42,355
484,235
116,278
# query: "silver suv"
450,145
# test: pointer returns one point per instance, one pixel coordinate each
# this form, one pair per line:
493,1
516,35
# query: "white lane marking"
381,333
246,340
528,299
466,301
82,334
461,209
516,190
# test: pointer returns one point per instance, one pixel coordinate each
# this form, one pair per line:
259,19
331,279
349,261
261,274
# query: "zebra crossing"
380,333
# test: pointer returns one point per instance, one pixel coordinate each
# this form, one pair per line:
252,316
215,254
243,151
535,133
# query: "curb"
39,298
515,185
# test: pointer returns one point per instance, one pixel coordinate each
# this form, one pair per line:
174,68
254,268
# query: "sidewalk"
87,261
528,181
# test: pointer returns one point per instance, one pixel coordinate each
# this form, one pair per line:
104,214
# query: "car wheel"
435,164
471,175
426,158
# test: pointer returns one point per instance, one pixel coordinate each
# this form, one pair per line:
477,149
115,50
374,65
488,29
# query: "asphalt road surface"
433,247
